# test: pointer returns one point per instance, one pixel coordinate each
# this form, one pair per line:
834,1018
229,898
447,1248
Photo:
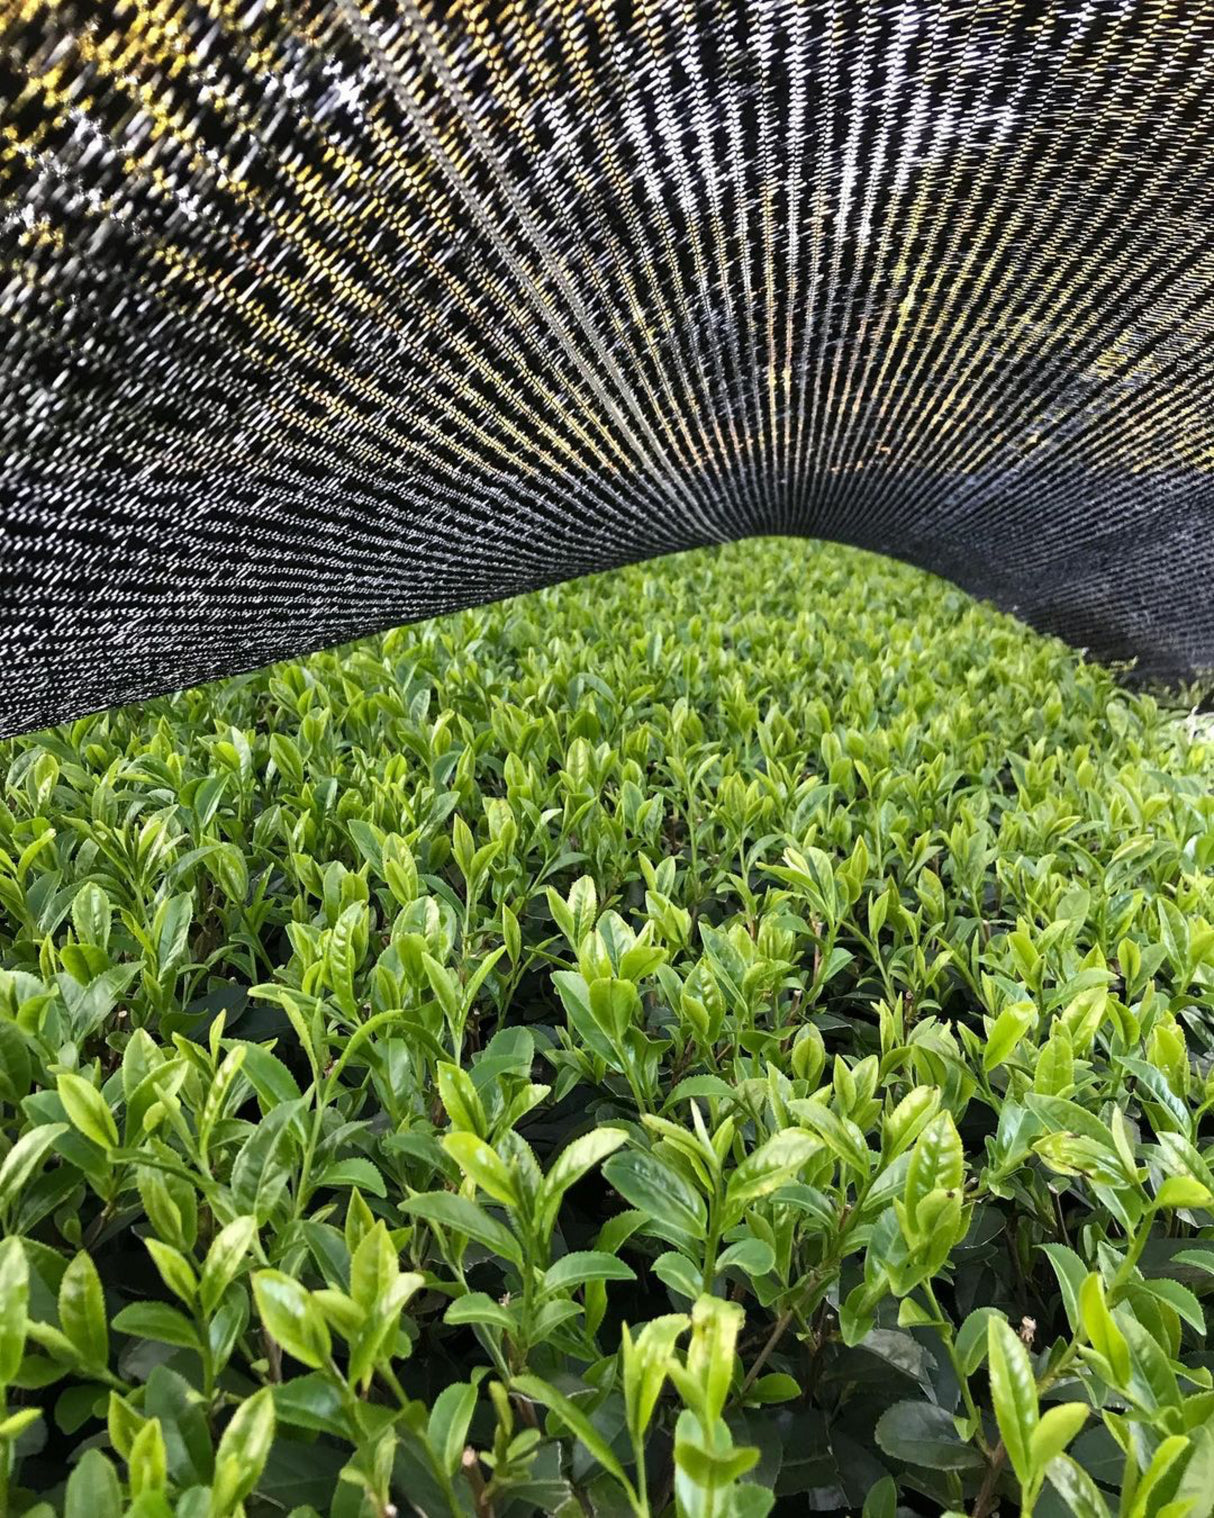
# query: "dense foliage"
736,1026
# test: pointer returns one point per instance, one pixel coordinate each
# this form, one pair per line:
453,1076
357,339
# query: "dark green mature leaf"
479,1307
1071,1273
972,1338
312,1402
922,1434
268,1076
1076,1488
677,1272
754,1256
882,1499
183,1421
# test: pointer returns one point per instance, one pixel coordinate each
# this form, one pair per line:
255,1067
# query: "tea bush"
732,1032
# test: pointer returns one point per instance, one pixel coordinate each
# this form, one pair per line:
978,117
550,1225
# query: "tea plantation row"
727,1036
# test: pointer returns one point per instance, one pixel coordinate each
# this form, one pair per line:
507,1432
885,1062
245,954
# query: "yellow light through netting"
317,318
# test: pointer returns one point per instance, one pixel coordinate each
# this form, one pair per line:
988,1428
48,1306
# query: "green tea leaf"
754,1256
1014,1392
478,1307
538,1390
1071,1273
1076,1488
291,1317
480,1164
159,1321
1102,1332
924,1435
82,1313
243,1450
93,1489
458,1213
352,1172
24,1157
937,1163
583,1265
261,1170
447,1429
14,1305
574,1161
778,1160
673,1209
1058,1426
228,1250
88,1111
176,1271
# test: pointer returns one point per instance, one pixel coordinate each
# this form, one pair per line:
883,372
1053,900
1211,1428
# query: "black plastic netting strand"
318,318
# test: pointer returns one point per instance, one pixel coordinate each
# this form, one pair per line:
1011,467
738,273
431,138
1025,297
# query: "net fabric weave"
318,318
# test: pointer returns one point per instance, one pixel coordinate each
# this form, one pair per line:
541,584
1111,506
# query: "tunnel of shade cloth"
317,318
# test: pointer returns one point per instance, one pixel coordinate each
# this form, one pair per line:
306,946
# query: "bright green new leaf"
1058,1426
147,1462
1014,1393
481,1165
82,1313
1102,1331
574,1161
937,1163
24,1157
778,1160
228,1251
176,1271
14,1303
291,1318
88,1110
243,1451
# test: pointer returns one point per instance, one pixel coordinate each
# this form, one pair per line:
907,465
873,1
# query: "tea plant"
729,1036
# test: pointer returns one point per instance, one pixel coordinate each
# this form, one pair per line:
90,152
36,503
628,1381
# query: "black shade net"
319,318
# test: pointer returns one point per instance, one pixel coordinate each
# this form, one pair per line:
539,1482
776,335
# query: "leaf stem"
984,1503
778,1331
481,1501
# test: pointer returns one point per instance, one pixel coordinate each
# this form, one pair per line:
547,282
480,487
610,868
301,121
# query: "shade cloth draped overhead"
316,318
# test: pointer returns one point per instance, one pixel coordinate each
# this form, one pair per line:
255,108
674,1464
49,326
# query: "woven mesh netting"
318,318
